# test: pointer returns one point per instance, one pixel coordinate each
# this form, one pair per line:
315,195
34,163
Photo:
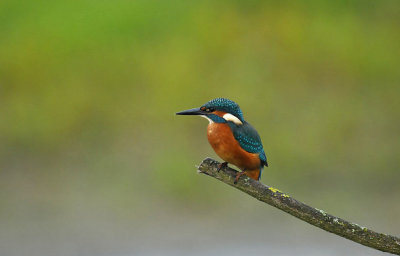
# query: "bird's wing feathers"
248,139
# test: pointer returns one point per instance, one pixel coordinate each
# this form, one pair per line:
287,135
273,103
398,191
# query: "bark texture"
314,216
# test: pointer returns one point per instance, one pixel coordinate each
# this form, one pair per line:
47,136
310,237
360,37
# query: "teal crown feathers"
225,105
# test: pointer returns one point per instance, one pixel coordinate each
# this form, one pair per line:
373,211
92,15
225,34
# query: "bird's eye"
207,109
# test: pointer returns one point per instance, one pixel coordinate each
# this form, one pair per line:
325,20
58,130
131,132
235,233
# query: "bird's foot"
239,175
224,164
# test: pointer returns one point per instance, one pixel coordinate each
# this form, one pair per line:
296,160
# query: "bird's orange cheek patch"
219,113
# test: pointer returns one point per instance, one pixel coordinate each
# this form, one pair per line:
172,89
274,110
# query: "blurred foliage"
88,92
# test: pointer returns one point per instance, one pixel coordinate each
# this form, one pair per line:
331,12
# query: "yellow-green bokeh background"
93,160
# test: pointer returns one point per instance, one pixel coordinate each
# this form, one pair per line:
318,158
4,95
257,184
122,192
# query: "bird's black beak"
193,111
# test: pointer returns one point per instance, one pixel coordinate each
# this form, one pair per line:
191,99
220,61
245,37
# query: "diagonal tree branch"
316,217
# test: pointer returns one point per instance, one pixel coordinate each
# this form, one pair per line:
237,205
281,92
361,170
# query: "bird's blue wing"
249,139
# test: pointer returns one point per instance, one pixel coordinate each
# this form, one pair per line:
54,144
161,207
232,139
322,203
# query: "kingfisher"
231,137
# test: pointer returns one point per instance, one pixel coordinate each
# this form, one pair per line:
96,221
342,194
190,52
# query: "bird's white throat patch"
206,117
232,118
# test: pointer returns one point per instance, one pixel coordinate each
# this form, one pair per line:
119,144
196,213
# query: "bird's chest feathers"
223,142
220,136
228,148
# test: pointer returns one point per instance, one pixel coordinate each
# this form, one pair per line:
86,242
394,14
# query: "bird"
232,138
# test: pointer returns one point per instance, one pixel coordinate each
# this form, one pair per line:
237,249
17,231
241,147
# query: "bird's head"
219,110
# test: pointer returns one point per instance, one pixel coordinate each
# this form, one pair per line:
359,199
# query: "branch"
316,217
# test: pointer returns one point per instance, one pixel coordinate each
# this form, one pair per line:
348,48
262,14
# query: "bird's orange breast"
228,148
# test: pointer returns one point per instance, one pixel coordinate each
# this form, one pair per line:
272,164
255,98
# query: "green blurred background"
93,160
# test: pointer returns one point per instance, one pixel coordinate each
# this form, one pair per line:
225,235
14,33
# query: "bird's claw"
224,164
239,175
